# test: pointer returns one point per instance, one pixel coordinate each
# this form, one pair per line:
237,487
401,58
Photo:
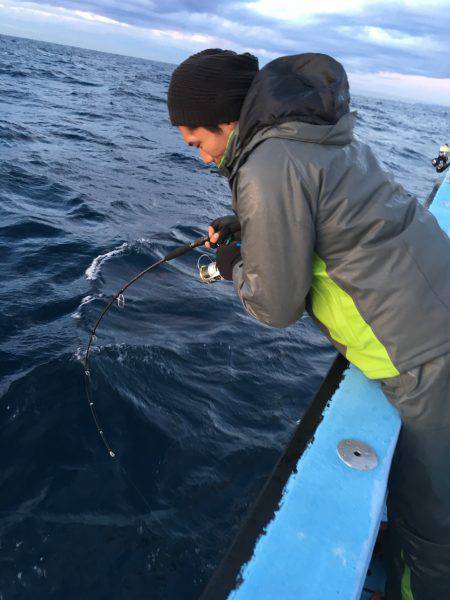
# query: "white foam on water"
80,354
94,268
85,300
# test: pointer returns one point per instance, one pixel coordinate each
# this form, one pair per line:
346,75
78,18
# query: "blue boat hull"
312,530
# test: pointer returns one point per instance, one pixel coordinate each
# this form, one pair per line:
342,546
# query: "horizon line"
369,93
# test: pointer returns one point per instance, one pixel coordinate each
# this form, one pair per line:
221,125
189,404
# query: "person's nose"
206,157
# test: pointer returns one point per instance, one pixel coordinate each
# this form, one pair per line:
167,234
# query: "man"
323,227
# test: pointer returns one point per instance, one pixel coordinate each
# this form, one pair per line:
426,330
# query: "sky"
390,48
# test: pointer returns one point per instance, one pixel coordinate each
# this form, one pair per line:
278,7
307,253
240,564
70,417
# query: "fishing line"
120,299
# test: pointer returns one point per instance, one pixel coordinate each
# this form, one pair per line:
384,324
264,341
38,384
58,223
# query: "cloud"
396,85
409,37
60,14
302,12
88,16
293,10
393,38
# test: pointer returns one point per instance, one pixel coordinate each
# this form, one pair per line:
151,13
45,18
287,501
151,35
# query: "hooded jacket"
324,227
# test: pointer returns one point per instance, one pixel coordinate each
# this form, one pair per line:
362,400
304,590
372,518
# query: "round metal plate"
357,455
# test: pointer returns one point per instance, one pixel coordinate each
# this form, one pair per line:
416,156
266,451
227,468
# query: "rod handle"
186,248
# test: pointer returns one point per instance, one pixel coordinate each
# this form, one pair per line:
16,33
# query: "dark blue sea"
197,399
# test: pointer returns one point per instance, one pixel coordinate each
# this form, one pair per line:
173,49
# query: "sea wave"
197,396
94,268
15,132
86,300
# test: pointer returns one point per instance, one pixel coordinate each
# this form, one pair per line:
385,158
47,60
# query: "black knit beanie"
209,88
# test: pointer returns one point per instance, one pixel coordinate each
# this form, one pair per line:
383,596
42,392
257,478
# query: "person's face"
211,146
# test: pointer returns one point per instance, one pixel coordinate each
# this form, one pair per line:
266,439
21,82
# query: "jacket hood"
339,134
311,88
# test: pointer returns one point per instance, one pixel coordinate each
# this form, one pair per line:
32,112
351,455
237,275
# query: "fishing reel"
207,269
441,162
229,230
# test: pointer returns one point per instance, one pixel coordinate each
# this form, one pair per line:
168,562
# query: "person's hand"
213,237
222,229
226,257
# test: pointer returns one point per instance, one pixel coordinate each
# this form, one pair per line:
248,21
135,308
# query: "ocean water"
197,399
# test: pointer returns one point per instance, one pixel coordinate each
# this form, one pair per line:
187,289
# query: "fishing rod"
119,298
208,274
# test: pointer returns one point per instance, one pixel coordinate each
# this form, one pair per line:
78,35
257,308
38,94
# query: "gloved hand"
223,229
226,257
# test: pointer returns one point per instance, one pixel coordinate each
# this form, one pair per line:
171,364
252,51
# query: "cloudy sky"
396,48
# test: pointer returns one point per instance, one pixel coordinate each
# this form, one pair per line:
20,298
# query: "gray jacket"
324,225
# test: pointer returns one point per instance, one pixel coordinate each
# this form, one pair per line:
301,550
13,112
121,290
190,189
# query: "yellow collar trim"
230,137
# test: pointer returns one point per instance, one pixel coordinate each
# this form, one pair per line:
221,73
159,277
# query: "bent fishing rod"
208,274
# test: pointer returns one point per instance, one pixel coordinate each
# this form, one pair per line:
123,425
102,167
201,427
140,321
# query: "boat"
311,533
